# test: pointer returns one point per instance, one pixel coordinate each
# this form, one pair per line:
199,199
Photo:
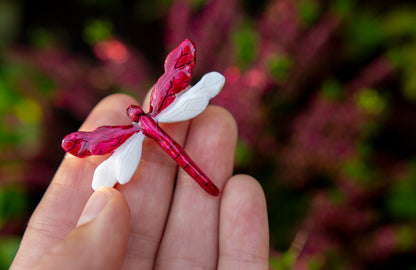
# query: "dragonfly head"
134,112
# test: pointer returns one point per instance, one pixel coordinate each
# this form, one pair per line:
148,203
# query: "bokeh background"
324,93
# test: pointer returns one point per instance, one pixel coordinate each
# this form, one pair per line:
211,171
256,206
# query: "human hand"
150,223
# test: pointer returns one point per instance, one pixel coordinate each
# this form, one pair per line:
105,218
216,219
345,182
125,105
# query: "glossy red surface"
101,141
134,112
179,65
175,151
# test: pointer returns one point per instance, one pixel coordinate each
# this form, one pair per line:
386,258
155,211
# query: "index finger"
57,213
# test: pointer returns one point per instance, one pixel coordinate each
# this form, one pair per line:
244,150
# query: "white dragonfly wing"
121,165
127,161
193,101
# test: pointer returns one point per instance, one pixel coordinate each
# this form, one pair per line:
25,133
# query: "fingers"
100,239
244,235
190,240
149,194
59,210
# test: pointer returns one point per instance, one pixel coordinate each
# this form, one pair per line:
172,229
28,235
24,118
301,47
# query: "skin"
151,222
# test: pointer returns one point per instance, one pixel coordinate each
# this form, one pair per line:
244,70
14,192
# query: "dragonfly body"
152,130
169,103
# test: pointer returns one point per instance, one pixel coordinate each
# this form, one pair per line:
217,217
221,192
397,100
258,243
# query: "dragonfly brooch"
168,103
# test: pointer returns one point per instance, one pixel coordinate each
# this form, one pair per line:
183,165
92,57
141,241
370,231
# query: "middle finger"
191,237
149,194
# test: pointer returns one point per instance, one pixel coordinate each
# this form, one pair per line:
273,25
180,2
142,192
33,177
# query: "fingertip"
118,204
108,207
247,192
244,185
244,234
223,121
94,205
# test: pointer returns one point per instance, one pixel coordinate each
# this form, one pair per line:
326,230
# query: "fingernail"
94,205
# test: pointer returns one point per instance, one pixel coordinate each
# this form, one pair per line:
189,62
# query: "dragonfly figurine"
169,103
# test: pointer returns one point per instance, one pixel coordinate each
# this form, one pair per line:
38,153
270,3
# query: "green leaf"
8,249
400,23
28,111
98,30
331,89
245,41
370,101
41,38
309,11
406,238
279,65
242,154
284,262
343,7
13,202
401,201
364,34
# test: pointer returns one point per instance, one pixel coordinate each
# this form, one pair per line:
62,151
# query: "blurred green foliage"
242,154
331,89
364,34
20,114
284,262
13,203
401,200
97,30
370,101
8,248
309,11
279,66
245,44
10,19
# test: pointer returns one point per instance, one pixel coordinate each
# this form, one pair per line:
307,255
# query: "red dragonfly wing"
101,141
179,65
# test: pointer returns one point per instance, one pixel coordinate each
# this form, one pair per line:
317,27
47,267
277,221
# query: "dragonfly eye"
134,112
67,144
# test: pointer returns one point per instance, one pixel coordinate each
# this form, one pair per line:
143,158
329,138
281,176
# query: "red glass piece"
134,112
175,151
101,141
179,65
